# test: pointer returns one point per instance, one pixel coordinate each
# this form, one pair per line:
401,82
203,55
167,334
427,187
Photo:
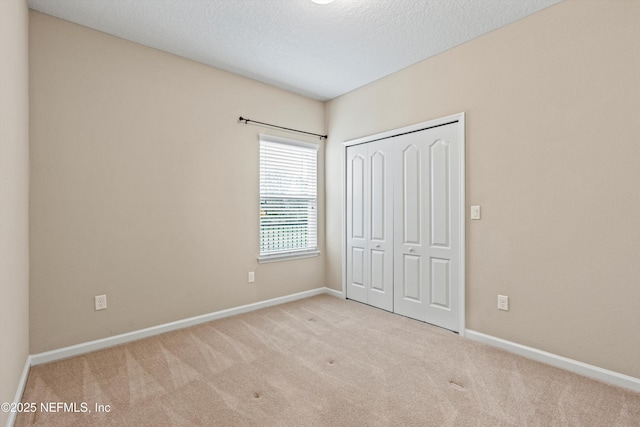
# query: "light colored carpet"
321,361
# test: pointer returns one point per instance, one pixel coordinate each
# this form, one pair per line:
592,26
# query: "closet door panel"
379,195
440,283
359,271
443,308
427,256
381,224
411,278
440,193
410,206
357,226
377,271
411,194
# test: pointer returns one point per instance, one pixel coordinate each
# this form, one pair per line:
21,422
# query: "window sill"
287,257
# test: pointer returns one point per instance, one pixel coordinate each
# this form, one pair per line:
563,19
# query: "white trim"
574,366
343,221
462,330
411,128
20,390
335,293
460,117
287,256
75,350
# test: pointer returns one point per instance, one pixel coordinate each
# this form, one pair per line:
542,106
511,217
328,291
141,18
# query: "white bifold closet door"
427,226
403,224
370,224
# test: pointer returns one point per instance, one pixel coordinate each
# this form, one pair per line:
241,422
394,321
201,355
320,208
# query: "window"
288,199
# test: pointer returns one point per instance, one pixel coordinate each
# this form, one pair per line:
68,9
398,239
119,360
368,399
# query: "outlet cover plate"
101,302
503,302
475,212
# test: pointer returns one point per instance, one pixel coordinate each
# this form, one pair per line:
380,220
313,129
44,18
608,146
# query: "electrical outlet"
252,276
503,302
101,302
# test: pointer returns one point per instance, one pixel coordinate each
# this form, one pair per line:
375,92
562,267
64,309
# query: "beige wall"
553,149
14,198
145,187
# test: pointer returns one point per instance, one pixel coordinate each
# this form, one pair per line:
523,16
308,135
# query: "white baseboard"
20,390
75,350
575,366
334,293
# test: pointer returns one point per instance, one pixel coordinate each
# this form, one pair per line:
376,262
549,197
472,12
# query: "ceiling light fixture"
322,1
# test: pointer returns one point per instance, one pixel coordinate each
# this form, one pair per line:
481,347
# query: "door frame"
460,118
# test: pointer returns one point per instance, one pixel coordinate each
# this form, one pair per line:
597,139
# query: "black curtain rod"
247,121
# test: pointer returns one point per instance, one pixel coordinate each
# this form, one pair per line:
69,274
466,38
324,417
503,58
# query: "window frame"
287,254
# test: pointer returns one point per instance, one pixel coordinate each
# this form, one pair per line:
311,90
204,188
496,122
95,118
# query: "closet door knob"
411,249
378,245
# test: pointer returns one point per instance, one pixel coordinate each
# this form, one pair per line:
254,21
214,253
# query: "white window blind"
288,198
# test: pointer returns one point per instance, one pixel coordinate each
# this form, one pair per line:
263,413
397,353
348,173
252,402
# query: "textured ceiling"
320,51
